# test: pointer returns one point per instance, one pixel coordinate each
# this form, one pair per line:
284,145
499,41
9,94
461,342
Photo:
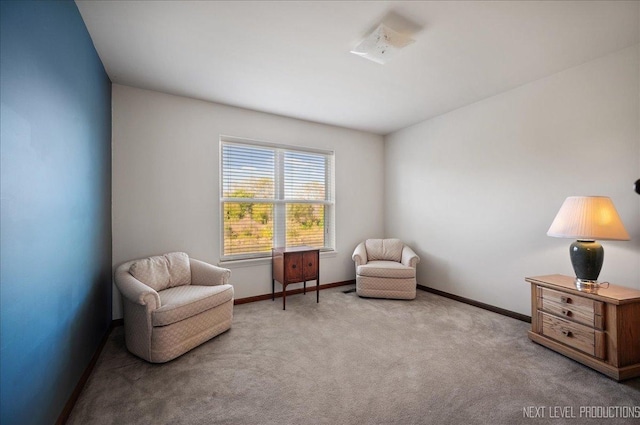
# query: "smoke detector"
382,44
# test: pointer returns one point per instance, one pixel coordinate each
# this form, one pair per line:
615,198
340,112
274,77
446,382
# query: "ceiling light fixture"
382,44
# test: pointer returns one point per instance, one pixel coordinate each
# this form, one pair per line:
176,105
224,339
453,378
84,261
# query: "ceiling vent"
382,44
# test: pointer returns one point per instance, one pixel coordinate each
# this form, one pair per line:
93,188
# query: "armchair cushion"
163,271
182,302
386,269
384,249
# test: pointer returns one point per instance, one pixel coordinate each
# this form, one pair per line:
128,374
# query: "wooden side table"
600,328
294,265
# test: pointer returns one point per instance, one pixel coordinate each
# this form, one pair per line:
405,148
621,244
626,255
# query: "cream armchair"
172,304
385,268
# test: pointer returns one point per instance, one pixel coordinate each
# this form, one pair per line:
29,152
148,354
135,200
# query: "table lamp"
587,218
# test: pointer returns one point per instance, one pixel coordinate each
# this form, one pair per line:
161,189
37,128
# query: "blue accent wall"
55,230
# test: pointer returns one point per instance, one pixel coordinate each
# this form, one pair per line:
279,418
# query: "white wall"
475,190
166,181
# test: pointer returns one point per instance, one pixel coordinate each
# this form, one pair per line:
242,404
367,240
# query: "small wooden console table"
600,329
294,265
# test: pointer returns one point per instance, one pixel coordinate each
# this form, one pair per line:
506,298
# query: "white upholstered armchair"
385,268
172,304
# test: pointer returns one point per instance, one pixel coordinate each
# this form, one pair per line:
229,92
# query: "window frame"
279,201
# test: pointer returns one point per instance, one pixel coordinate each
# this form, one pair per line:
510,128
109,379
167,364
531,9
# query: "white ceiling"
292,58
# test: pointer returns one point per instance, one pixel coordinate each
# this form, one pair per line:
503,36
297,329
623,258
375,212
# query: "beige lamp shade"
588,218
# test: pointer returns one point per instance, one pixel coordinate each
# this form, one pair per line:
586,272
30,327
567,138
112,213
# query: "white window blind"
274,195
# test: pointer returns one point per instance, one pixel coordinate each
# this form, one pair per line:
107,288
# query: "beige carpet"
350,360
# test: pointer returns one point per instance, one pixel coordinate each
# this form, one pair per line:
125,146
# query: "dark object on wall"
638,186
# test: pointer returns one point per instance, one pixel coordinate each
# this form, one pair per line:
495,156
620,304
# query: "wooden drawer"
576,308
568,311
580,337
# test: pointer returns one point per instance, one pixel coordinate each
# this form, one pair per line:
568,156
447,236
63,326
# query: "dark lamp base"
587,258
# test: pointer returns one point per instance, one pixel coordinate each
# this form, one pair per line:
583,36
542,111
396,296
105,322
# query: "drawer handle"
568,334
567,313
293,267
310,264
565,300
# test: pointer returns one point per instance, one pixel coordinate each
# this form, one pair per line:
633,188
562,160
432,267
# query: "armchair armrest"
206,274
409,258
360,255
134,290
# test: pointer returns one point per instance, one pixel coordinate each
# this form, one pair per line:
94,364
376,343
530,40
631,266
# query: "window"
273,195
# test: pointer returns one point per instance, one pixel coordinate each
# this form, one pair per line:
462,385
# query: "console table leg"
305,288
273,289
284,297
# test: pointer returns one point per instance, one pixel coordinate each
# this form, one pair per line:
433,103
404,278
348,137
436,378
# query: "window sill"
252,262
